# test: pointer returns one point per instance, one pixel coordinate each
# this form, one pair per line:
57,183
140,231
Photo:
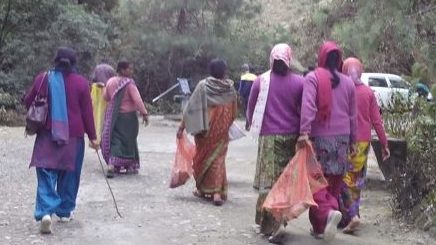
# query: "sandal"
198,194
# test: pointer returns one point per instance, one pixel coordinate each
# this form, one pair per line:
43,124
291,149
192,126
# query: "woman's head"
280,59
217,68
125,68
65,59
353,68
330,57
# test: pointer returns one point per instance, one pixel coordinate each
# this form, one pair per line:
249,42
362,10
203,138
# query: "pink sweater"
343,117
282,112
368,115
132,99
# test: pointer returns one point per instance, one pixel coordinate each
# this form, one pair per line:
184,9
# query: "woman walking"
208,116
59,147
101,74
274,113
329,118
121,126
368,116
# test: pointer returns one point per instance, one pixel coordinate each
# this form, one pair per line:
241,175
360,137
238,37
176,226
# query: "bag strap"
41,84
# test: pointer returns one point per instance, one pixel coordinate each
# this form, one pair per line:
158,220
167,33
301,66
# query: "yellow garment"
248,77
359,160
357,163
98,108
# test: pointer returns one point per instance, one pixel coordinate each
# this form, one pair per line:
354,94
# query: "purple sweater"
343,117
79,106
282,112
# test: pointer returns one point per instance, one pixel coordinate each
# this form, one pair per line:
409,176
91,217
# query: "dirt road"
155,214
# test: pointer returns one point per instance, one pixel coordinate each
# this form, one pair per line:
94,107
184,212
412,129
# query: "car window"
377,82
398,83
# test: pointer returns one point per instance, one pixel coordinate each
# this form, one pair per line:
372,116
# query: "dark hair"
246,68
217,68
309,69
122,65
279,67
65,59
333,62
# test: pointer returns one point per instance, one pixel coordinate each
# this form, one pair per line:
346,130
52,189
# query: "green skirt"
274,153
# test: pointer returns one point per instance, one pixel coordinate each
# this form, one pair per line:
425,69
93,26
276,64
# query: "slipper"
110,173
332,223
198,194
278,235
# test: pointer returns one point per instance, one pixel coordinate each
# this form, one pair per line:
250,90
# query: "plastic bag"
182,167
235,132
292,193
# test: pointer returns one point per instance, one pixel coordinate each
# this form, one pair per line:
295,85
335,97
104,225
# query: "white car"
385,85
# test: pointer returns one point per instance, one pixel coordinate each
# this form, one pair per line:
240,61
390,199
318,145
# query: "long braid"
332,64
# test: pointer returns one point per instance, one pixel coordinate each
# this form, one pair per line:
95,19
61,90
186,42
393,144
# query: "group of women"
329,108
58,151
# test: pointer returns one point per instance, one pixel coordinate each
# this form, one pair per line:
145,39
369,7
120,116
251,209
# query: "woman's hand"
145,120
180,132
302,141
94,144
353,150
386,153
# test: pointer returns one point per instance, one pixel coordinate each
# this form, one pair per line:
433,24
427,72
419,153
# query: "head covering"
64,53
245,68
324,50
323,75
282,52
353,68
102,73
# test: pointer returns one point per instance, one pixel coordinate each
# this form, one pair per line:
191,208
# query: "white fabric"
235,132
259,109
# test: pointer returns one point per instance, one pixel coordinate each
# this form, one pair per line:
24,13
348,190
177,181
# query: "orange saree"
209,161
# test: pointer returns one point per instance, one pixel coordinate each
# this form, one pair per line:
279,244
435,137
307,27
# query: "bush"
11,117
415,182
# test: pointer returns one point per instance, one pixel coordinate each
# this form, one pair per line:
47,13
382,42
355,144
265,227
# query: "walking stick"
107,182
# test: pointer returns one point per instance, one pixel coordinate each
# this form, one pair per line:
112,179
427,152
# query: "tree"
32,30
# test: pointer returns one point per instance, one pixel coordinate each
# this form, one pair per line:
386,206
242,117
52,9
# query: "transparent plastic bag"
182,167
292,193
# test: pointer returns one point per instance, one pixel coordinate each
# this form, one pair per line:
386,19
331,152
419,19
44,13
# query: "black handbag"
38,111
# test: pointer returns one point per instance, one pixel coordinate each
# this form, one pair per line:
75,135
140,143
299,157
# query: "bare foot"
352,226
217,200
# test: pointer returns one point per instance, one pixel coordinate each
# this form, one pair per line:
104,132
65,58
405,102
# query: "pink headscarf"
282,52
353,68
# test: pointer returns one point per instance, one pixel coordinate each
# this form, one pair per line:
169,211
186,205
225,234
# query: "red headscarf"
323,75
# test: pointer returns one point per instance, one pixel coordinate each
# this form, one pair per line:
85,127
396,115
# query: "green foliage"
413,182
173,39
11,117
388,35
30,32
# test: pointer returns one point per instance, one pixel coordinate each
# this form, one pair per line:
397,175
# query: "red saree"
209,161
